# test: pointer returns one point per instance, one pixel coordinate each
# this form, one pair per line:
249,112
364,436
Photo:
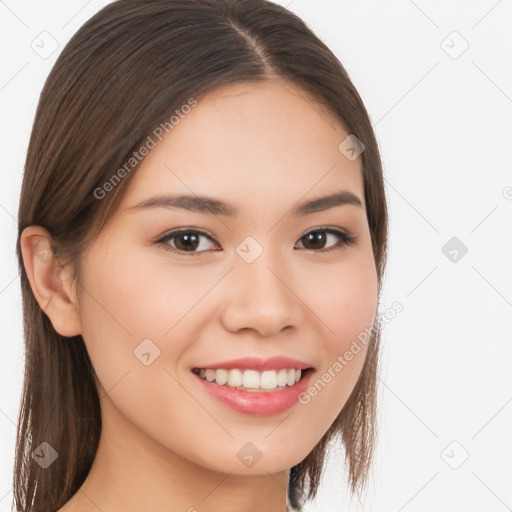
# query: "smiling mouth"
253,380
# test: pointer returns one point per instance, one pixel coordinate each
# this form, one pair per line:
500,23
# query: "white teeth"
282,377
235,378
221,377
268,380
252,380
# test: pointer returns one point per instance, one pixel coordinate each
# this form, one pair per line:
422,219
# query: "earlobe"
51,284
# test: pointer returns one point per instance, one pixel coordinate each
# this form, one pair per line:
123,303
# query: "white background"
443,122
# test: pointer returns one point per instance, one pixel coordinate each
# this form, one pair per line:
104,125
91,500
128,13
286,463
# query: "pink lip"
254,363
257,404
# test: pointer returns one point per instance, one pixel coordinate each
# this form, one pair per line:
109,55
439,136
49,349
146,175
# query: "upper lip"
254,363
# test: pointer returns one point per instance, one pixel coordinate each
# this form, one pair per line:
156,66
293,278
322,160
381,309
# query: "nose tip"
261,300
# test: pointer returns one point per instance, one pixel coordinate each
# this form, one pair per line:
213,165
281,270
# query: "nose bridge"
262,280
261,296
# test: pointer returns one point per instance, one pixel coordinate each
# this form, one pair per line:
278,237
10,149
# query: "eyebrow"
208,205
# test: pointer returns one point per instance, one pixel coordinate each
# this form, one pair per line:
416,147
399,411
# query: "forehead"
250,143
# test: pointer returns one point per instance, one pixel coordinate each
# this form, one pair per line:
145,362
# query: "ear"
51,284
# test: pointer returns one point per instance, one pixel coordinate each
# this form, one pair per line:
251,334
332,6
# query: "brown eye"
190,241
185,241
316,239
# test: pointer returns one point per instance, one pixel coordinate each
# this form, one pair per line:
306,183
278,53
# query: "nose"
263,298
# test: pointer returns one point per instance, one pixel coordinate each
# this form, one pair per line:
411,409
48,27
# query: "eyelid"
346,238
168,235
186,229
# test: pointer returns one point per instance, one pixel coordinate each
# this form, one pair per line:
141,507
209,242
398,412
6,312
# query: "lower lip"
257,404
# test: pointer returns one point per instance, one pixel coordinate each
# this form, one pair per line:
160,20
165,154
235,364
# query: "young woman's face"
267,281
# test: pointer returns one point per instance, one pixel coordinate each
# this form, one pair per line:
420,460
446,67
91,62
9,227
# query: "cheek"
345,307
345,299
133,333
138,297
130,299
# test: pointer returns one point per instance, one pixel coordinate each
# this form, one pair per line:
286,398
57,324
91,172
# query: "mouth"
253,381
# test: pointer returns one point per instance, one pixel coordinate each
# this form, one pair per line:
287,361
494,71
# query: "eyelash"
344,238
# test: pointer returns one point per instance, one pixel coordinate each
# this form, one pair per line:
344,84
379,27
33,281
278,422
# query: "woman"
202,239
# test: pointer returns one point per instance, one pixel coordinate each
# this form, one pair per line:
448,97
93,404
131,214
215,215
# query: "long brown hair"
122,74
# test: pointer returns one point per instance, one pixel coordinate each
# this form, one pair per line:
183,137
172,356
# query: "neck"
133,472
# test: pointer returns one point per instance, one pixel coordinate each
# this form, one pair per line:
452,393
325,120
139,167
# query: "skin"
166,444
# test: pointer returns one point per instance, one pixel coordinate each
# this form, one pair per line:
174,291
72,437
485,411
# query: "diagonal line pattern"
75,15
310,103
301,300
8,284
503,407
304,195
493,287
1,205
485,485
412,206
218,217
12,78
13,13
5,495
424,14
404,95
217,486
208,412
278,425
407,503
486,14
90,499
387,386
492,81
492,211
276,480
422,281
104,308
118,381
14,423
195,304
